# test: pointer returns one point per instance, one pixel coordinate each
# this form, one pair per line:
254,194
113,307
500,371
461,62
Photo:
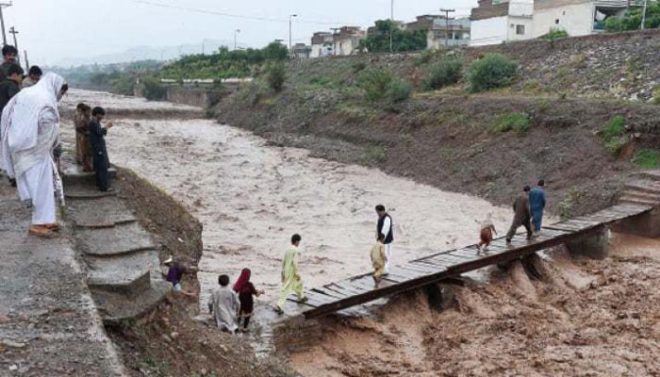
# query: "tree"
632,19
402,40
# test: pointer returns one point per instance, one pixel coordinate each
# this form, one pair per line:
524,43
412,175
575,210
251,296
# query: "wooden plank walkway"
417,273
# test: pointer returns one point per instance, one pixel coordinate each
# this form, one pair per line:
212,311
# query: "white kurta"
225,308
36,185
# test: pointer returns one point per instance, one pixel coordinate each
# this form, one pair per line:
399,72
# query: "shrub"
398,90
374,82
656,95
444,73
153,89
614,134
492,71
616,127
374,153
554,34
276,75
647,158
379,84
518,122
359,67
424,57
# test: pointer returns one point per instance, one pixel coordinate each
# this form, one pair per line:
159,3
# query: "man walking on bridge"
385,227
537,205
522,216
291,280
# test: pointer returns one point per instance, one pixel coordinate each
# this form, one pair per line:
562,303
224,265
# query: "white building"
322,45
347,39
497,21
448,32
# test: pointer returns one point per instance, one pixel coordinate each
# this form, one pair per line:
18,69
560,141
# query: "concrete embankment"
49,325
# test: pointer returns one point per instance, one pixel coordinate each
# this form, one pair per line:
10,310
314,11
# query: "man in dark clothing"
522,216
9,54
537,205
97,139
385,227
11,85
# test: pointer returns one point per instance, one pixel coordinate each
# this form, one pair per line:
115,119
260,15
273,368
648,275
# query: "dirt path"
251,197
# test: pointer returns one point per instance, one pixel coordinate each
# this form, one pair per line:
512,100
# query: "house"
322,45
450,32
497,21
347,39
301,51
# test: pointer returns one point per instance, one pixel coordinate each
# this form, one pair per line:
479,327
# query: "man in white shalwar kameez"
30,133
225,306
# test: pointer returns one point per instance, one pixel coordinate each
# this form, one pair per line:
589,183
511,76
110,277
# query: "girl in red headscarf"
246,291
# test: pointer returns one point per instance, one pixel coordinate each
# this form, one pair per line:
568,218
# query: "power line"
232,15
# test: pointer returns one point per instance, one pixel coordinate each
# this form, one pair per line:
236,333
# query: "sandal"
41,231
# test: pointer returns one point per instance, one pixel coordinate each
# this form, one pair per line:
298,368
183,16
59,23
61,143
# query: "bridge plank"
329,293
449,258
348,289
420,269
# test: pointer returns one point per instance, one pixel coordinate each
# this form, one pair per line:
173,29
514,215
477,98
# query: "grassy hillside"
552,121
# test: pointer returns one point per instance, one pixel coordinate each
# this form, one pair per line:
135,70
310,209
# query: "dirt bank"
582,318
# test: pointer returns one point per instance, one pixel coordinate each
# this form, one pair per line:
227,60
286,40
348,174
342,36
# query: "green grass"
647,158
374,153
614,134
518,122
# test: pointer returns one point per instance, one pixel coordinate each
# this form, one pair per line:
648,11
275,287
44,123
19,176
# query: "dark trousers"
101,166
517,223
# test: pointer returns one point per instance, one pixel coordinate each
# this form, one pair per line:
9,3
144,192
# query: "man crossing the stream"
384,228
291,280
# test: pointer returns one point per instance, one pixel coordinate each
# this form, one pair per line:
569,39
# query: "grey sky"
52,30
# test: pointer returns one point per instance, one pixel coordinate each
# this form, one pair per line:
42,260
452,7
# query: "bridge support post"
644,225
593,244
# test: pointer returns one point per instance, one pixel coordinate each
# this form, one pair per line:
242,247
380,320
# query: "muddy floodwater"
252,197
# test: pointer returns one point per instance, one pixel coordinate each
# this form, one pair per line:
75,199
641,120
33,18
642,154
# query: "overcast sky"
53,30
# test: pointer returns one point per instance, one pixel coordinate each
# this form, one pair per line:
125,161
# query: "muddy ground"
581,318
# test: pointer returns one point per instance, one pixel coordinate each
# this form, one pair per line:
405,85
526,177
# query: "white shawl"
30,125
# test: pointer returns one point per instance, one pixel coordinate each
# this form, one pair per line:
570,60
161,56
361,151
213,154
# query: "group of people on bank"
30,147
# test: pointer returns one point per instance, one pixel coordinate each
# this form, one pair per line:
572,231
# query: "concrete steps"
116,240
110,211
123,269
73,174
648,186
115,306
653,175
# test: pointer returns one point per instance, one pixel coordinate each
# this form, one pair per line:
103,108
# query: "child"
224,306
97,139
245,290
486,234
81,121
378,259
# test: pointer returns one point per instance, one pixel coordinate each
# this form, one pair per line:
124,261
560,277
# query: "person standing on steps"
225,306
385,227
30,132
537,205
97,139
246,292
521,216
81,120
291,280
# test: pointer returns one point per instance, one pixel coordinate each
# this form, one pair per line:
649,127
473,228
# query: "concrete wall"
576,19
512,27
489,31
196,96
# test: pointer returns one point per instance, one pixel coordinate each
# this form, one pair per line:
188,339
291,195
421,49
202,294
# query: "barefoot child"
378,259
486,235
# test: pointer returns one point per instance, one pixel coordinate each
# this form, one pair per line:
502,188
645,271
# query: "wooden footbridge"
640,198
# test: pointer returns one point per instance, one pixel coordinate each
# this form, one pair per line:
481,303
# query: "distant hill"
142,53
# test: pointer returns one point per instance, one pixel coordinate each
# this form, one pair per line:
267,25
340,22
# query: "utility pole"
2,21
27,62
290,29
643,15
236,38
13,32
391,26
447,11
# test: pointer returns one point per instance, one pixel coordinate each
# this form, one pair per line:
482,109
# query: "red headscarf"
242,280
